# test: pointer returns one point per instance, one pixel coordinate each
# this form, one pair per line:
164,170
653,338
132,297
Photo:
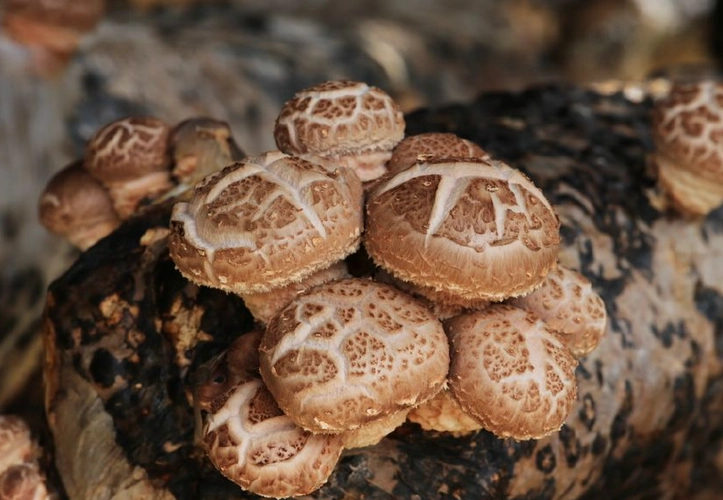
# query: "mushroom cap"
266,222
351,352
569,305
443,413
128,149
23,482
77,207
130,158
431,146
79,15
265,305
688,133
341,119
373,432
511,372
201,146
251,442
16,443
475,229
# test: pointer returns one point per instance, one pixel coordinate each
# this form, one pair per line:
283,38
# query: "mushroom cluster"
391,279
127,163
461,319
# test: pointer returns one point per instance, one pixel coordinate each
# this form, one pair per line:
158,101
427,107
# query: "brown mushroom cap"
23,482
511,372
77,207
16,443
443,413
431,146
373,432
130,157
252,442
201,146
569,305
688,133
266,222
349,122
55,25
472,229
351,352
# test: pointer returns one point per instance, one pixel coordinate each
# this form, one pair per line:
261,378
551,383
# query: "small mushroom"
130,158
511,372
352,352
688,159
266,222
569,306
77,207
51,29
348,122
24,482
251,442
469,229
202,146
432,146
373,432
16,443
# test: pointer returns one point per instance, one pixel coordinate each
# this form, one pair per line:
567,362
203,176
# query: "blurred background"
69,66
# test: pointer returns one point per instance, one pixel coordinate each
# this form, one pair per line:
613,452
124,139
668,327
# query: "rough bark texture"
648,422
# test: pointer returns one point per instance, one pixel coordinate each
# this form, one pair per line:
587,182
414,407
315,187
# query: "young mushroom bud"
266,222
77,207
511,372
432,146
130,158
352,352
348,122
202,146
51,29
569,306
688,133
470,229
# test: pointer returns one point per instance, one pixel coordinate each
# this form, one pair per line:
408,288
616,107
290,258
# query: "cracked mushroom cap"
201,146
16,443
130,157
569,306
473,229
53,26
23,482
351,352
688,134
511,372
266,222
349,122
265,305
250,440
431,146
77,207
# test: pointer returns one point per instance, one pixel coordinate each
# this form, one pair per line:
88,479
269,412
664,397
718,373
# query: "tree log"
125,334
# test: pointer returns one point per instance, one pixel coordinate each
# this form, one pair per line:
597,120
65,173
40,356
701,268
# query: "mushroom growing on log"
646,422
